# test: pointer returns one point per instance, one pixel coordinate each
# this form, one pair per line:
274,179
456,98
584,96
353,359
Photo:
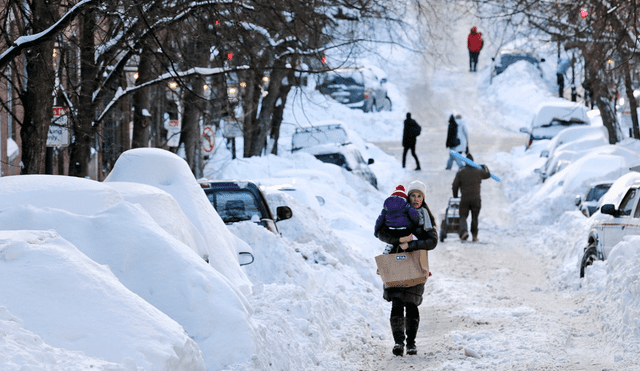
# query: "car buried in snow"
619,216
242,200
589,203
328,142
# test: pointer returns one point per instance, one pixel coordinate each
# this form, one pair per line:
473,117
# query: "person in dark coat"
474,44
457,139
409,135
467,180
405,326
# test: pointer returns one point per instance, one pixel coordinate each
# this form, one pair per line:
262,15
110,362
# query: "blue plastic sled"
466,160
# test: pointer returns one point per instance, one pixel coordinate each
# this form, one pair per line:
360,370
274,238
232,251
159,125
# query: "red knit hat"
400,191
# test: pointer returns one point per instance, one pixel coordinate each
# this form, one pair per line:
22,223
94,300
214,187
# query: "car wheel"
590,255
385,106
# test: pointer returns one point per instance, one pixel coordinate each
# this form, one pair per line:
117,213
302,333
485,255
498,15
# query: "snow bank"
83,306
167,171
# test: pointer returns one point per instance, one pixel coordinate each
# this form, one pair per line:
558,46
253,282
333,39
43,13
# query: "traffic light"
584,13
229,56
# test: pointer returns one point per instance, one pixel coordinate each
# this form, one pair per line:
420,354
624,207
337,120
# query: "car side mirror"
370,162
537,171
383,81
245,258
320,200
578,200
284,213
609,209
524,130
544,153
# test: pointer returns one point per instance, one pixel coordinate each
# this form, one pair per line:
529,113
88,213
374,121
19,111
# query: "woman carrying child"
405,326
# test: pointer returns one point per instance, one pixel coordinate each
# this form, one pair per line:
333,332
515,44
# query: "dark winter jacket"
468,180
410,133
426,240
452,133
397,213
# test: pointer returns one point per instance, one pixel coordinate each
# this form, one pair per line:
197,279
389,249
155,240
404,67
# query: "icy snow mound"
88,197
167,171
523,80
74,303
160,269
311,304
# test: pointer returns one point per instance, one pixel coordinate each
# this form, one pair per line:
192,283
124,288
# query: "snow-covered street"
131,291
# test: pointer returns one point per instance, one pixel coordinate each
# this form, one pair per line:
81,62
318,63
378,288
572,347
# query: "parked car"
329,143
567,143
357,87
553,116
619,216
507,57
589,203
240,200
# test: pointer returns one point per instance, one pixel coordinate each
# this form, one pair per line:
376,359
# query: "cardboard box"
403,269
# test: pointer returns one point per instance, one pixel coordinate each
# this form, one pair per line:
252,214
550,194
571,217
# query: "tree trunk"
276,119
632,100
263,124
249,121
141,103
84,129
190,133
37,99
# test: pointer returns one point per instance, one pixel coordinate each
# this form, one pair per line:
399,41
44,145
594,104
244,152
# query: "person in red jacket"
474,44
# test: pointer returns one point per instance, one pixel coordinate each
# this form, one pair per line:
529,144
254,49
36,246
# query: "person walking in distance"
409,135
561,72
467,181
474,44
457,139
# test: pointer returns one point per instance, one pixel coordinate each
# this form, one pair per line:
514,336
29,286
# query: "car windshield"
345,77
235,205
597,192
333,158
509,59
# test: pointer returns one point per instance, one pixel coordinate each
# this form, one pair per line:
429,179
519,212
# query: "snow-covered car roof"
559,109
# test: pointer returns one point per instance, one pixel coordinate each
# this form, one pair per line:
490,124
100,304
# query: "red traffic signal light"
584,13
229,56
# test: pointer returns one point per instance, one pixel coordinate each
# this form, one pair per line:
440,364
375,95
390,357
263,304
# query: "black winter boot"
412,331
397,329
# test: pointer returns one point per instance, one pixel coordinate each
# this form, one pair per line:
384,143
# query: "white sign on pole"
58,130
173,133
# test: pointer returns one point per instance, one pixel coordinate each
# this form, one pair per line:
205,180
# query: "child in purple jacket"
400,217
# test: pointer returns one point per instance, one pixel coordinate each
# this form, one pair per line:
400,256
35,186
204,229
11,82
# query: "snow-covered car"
242,200
568,142
589,203
552,117
507,57
619,216
329,143
357,87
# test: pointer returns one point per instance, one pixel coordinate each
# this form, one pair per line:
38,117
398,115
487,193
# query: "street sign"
58,135
173,133
208,139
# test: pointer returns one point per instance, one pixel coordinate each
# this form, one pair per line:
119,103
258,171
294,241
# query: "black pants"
472,205
413,153
473,60
560,85
398,309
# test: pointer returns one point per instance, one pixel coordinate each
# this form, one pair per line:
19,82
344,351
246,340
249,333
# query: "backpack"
417,129
452,134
